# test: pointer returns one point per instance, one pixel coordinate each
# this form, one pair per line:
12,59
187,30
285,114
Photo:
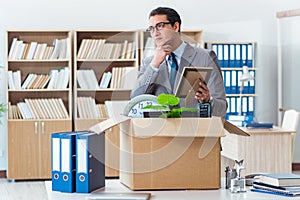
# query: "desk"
114,185
264,151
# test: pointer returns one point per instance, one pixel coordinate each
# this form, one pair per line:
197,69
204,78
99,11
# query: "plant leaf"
156,107
168,99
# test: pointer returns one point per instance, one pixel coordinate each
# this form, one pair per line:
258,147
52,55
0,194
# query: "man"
155,75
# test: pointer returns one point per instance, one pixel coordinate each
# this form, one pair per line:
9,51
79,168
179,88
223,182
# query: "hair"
172,15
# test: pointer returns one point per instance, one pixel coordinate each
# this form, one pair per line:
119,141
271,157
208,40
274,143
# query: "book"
12,48
11,84
270,192
259,125
105,80
288,179
58,45
279,190
27,46
53,79
31,50
124,49
17,79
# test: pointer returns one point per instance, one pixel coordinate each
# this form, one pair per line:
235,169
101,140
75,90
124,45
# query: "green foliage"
2,109
2,106
167,101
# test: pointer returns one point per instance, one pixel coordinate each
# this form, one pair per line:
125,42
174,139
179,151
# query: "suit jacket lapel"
187,57
186,60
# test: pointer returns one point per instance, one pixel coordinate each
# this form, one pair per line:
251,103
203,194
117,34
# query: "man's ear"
176,26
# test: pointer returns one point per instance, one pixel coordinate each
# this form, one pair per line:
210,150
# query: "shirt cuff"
211,101
154,68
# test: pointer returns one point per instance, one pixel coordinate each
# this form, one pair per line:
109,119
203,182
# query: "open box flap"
109,123
178,127
232,129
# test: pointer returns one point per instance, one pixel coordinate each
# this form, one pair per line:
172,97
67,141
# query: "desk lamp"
245,77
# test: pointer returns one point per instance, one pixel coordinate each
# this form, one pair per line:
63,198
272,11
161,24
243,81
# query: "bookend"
238,184
234,181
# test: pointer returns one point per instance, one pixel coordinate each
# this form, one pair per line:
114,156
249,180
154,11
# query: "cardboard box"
169,153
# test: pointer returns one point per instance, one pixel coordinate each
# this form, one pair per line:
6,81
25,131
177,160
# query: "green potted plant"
2,110
168,108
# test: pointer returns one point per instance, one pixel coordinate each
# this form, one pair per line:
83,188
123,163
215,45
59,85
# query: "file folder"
226,55
232,55
220,55
250,55
252,83
227,81
251,106
67,161
55,161
238,56
90,158
244,54
64,160
245,105
234,82
233,105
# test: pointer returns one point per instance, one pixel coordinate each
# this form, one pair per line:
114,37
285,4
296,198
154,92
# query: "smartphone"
205,110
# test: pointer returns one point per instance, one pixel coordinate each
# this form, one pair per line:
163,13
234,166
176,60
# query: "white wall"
232,20
290,31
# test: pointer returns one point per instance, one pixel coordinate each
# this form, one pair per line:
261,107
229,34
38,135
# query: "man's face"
163,33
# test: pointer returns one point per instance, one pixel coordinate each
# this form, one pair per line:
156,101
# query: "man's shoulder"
200,56
201,50
197,49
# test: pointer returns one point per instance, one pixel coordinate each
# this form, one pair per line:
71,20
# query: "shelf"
232,57
29,140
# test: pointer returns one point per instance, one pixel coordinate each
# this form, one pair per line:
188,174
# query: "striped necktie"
174,68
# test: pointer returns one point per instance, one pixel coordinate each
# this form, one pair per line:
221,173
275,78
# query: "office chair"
290,122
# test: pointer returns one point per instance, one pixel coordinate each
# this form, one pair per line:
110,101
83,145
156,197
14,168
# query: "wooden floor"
33,190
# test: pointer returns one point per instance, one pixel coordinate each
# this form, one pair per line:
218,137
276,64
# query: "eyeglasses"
159,26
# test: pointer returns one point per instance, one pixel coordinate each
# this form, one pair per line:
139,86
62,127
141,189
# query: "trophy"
238,184
230,174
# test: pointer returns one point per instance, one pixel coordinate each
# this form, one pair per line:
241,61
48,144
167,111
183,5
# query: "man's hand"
202,95
160,54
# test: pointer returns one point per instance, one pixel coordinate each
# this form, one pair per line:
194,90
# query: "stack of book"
279,184
40,108
22,50
102,49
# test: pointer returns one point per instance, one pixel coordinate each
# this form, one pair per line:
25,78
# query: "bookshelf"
38,105
232,56
98,54
193,37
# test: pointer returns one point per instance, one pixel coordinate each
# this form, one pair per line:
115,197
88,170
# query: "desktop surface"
114,186
119,196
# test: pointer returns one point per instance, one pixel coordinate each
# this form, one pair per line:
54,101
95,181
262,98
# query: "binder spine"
67,162
90,167
55,161
81,165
